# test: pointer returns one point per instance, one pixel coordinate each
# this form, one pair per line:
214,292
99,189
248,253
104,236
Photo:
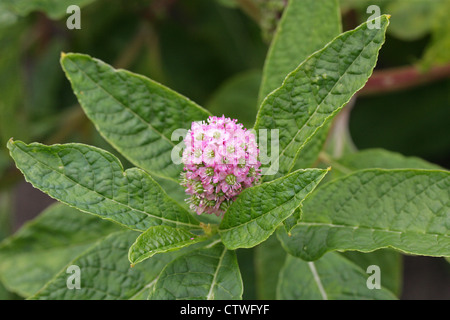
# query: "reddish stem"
400,78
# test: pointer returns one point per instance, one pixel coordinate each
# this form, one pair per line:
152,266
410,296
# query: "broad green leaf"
269,259
364,159
55,9
93,181
258,211
160,239
330,278
405,209
7,17
305,27
314,92
134,114
210,273
105,273
39,250
389,261
6,213
375,158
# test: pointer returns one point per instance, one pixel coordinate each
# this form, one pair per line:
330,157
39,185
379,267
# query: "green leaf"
412,20
236,98
258,211
269,259
305,27
210,273
55,9
405,209
310,152
134,114
318,22
6,213
375,158
105,273
330,278
389,261
313,93
12,92
437,51
43,246
160,239
93,181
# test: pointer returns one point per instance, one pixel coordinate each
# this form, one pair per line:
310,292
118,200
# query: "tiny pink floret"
220,160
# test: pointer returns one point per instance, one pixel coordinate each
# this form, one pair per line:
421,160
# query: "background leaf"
290,47
208,273
236,98
106,273
305,27
390,263
43,246
160,239
133,113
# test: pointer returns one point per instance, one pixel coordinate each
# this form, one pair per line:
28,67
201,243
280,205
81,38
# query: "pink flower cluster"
220,160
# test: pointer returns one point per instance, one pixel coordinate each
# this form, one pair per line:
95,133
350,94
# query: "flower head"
220,160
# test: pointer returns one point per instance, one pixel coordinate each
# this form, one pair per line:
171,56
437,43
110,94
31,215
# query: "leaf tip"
10,143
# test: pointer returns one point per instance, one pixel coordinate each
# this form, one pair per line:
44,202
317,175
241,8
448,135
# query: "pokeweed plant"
371,200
